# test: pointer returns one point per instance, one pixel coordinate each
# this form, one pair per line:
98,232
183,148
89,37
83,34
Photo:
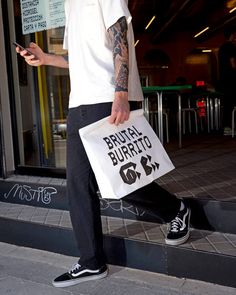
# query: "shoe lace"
176,224
75,267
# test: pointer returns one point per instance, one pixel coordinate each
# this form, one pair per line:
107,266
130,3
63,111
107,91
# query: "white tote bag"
125,157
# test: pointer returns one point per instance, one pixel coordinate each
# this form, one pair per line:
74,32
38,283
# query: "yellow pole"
43,102
60,102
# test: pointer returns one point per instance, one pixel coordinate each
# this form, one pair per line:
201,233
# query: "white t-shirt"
89,47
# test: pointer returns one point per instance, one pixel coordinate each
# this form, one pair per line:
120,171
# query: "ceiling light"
136,43
152,19
233,9
204,30
206,50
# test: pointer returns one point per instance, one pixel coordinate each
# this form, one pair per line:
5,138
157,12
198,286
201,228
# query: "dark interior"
169,47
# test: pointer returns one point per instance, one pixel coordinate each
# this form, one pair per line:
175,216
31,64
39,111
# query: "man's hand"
120,108
37,58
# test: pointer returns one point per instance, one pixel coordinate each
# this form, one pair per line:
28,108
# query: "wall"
178,48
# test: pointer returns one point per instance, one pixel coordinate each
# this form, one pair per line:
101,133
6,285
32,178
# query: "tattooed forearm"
118,34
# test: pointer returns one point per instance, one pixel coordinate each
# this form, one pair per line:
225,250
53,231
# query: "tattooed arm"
120,107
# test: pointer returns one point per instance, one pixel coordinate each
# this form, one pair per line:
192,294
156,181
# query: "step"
208,214
207,256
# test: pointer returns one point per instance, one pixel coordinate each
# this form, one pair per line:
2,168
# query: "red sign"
200,83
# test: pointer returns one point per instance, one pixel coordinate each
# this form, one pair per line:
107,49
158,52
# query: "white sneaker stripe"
83,271
184,220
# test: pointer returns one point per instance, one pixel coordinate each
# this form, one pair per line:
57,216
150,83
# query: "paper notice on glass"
39,15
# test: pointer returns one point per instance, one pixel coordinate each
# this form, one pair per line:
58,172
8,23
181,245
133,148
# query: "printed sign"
126,144
39,15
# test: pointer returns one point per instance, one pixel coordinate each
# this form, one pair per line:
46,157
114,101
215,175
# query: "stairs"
34,213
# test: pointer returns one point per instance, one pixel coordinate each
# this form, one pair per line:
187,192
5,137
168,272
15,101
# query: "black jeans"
82,189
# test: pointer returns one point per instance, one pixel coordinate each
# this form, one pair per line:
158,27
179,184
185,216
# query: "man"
104,81
227,77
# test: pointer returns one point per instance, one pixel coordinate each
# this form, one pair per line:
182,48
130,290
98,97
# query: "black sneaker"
179,228
79,274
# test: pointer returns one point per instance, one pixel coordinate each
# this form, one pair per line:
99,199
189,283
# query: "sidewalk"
25,271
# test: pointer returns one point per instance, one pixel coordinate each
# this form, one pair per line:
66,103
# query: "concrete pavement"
25,271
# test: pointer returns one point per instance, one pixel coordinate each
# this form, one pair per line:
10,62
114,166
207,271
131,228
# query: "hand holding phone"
34,55
22,48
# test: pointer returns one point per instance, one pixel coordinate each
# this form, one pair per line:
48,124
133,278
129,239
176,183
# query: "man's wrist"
121,95
51,59
121,89
47,60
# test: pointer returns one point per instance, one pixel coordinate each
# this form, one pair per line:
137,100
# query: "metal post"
208,114
180,120
160,116
3,169
212,114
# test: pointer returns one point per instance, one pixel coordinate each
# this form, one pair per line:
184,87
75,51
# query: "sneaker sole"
80,280
181,240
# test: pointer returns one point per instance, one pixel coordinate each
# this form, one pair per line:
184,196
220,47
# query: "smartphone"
22,48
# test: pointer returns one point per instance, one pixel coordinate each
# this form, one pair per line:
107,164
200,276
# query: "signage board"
39,15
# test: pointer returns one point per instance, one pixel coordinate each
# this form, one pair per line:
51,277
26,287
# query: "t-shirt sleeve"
65,40
113,10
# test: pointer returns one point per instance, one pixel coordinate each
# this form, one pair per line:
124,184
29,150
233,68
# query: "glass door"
41,98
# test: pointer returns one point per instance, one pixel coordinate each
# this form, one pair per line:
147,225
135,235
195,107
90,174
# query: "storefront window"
41,98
